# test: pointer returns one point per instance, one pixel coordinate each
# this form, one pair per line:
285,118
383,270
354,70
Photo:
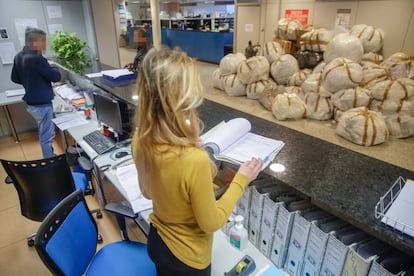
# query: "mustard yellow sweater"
185,211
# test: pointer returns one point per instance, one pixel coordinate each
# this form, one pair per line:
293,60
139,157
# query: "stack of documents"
15,92
118,74
400,215
128,177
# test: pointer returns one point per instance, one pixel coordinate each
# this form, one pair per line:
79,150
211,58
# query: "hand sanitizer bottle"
238,234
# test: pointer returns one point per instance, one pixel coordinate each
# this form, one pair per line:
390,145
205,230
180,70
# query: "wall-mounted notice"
3,33
301,15
21,25
54,11
343,17
7,52
248,28
53,28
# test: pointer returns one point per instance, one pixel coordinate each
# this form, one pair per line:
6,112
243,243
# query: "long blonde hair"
169,91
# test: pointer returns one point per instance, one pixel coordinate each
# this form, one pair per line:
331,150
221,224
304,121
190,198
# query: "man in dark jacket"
34,72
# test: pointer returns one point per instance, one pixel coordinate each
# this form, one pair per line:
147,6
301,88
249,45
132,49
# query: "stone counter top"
341,181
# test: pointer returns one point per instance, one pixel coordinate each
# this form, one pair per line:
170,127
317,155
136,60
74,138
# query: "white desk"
5,102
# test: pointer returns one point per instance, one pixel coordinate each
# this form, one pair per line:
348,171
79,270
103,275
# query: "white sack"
255,89
316,40
341,73
372,38
400,126
401,89
286,28
298,77
230,63
313,83
233,86
267,97
371,74
344,45
283,68
391,107
318,107
350,98
362,127
218,79
271,50
288,106
253,69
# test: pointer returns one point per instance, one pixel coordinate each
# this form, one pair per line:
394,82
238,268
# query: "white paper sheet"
69,120
21,25
15,92
128,177
7,52
400,215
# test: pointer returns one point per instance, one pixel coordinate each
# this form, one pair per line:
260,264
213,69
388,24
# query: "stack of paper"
117,73
15,92
128,177
400,215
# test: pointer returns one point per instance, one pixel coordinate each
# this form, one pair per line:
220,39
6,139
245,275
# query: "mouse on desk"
121,154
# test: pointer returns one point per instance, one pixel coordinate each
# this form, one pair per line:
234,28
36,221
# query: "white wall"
395,17
106,33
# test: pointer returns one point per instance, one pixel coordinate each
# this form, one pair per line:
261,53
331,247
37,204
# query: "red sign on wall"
301,15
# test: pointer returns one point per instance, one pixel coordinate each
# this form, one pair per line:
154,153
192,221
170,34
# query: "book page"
227,134
252,145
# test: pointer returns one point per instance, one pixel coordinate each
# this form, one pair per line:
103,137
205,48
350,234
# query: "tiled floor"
16,258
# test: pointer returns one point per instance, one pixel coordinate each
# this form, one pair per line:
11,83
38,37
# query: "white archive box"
360,256
378,270
256,209
393,263
268,224
337,249
316,246
282,234
299,238
244,203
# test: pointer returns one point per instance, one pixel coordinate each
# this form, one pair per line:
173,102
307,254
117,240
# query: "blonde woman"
174,170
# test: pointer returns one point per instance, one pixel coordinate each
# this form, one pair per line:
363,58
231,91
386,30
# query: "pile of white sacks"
370,98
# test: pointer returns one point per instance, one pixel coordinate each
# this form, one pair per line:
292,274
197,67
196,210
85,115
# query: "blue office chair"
41,184
66,242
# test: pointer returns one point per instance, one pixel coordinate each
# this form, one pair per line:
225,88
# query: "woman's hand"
251,168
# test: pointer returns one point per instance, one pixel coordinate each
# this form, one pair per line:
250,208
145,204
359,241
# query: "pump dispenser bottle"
238,234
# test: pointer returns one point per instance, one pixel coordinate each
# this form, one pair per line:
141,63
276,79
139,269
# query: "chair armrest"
120,209
85,163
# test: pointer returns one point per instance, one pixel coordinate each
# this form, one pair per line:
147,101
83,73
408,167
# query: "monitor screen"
108,112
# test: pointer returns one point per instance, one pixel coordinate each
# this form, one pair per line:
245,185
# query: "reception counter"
205,46
344,182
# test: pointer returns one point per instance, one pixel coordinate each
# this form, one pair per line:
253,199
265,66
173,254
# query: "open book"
233,142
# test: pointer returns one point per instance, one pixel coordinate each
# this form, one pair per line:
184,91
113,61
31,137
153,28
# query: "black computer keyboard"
99,142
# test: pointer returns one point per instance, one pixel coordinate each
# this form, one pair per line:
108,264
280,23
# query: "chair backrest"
67,238
40,184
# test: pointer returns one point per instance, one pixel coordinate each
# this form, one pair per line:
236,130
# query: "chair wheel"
99,215
100,239
30,242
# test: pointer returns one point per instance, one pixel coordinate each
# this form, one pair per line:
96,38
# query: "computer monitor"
108,112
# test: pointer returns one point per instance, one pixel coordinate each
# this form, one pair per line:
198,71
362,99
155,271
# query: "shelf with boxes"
213,24
303,239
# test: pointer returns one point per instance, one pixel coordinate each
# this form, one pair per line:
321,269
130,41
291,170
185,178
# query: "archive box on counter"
317,241
393,263
360,256
337,249
244,204
285,215
259,193
299,237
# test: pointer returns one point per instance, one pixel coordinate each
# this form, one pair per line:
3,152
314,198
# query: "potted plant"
71,52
